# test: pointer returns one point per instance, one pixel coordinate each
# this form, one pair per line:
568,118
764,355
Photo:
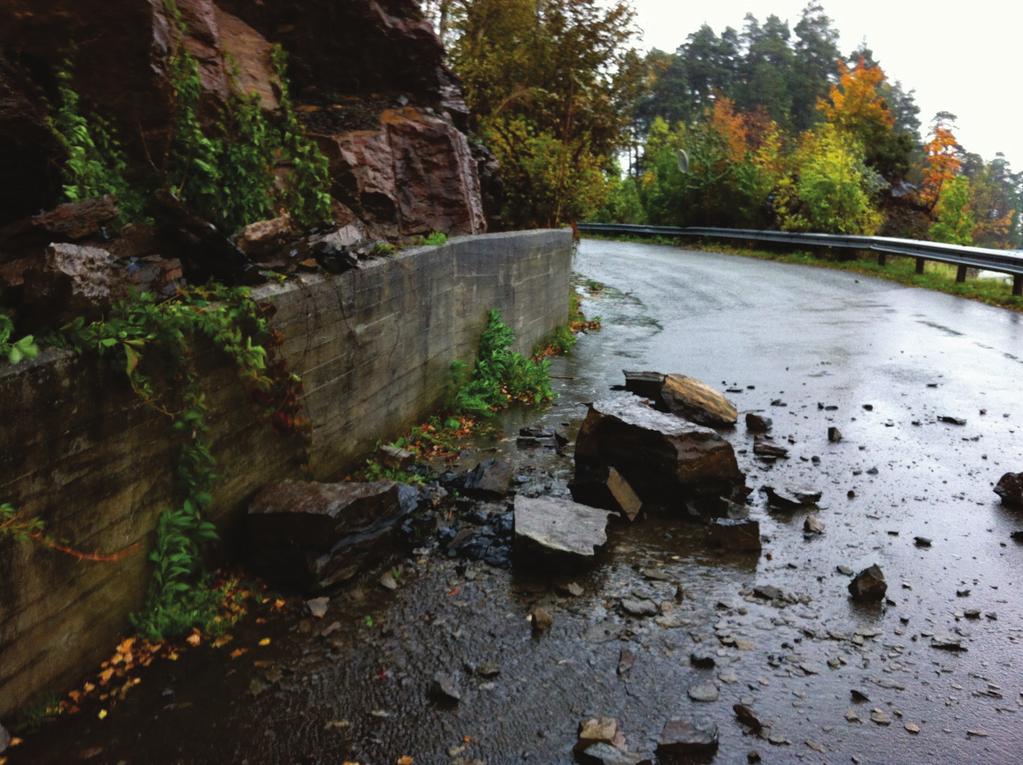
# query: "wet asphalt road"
778,333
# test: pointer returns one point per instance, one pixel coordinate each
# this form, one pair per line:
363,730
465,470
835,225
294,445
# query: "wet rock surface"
1010,489
316,535
664,458
947,683
559,530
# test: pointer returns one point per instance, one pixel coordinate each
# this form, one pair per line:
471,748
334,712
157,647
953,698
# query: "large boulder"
317,535
666,460
558,529
72,280
1010,489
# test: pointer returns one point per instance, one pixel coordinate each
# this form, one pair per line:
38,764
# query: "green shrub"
15,350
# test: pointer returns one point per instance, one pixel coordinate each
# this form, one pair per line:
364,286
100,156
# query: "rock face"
316,535
665,459
558,529
411,175
1010,489
868,585
368,76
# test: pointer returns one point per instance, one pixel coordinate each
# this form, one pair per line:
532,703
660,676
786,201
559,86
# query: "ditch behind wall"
79,450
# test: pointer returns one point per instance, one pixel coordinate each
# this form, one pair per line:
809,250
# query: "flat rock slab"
682,739
665,459
316,535
559,528
792,497
697,401
489,479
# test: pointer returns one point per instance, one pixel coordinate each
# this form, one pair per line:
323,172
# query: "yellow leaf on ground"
102,714
194,638
404,760
264,642
105,675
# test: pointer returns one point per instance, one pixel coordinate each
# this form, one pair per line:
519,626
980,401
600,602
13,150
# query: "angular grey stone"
489,479
768,449
444,689
605,754
758,424
559,528
703,692
639,607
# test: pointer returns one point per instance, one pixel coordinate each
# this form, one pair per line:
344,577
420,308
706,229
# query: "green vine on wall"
95,164
15,351
157,342
229,177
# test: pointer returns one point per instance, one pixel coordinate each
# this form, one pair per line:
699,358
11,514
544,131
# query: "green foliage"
228,177
549,87
307,193
156,343
95,163
18,350
499,376
954,222
375,470
832,188
435,239
623,203
383,249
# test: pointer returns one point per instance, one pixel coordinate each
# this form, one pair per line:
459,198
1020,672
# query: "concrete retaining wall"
80,451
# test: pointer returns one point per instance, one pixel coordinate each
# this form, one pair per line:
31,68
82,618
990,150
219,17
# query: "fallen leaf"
194,638
264,642
404,760
102,714
238,652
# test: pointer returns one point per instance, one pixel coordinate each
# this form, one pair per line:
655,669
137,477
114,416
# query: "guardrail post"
1017,285
920,265
882,259
961,274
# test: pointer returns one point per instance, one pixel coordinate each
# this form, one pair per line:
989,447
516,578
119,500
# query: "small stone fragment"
734,535
318,607
605,754
639,607
947,643
951,420
868,585
813,525
541,620
791,497
388,582
747,717
912,728
687,738
922,541
758,424
702,660
703,692
858,695
1010,489
834,434
877,715
768,449
626,660
596,730
444,689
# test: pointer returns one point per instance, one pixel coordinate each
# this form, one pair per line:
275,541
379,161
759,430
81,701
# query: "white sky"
963,58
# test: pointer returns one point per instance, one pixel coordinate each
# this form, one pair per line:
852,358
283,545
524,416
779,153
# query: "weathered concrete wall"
79,450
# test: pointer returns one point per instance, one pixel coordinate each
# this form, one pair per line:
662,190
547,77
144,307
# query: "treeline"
767,127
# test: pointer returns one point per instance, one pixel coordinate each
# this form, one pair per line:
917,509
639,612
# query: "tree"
857,107
551,87
942,159
814,67
954,220
766,70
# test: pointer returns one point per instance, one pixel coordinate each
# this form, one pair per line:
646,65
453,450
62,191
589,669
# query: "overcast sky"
963,58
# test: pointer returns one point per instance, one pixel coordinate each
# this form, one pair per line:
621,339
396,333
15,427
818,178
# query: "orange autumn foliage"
855,104
942,164
732,128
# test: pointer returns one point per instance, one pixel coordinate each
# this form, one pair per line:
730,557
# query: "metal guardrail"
1000,261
